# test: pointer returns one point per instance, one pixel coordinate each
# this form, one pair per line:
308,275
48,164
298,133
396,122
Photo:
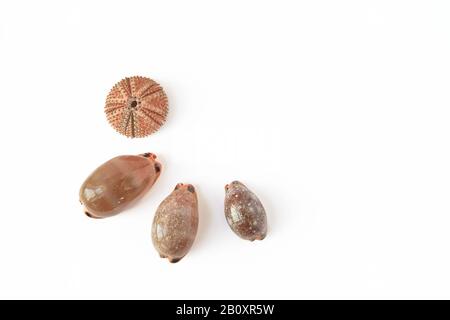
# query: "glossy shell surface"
175,223
136,107
244,212
117,183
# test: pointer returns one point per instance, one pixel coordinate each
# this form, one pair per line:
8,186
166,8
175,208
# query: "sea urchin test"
117,183
136,107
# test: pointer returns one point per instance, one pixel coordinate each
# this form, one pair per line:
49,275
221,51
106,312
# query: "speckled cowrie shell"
117,183
244,212
175,223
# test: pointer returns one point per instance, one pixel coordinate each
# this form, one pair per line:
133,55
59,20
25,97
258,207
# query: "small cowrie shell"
117,183
175,223
244,212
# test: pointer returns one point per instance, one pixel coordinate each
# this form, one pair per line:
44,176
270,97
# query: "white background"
335,113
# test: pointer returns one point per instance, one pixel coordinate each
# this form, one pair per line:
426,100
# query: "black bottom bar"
213,309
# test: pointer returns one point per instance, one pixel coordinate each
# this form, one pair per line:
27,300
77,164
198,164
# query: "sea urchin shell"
136,107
